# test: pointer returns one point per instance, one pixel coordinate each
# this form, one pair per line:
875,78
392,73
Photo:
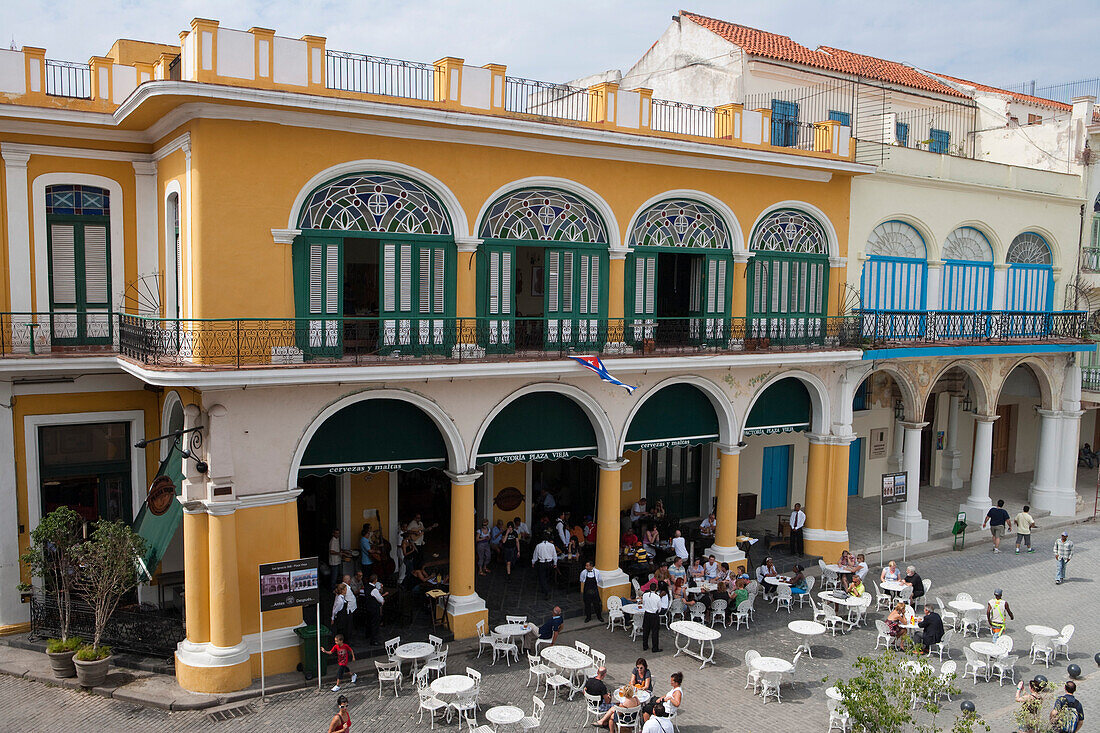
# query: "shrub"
50,556
108,569
53,646
89,653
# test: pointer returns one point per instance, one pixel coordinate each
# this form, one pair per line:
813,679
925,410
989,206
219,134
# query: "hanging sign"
288,584
894,490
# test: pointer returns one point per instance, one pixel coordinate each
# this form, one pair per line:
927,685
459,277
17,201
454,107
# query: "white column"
16,190
978,503
907,520
147,213
11,610
895,460
951,458
1045,492
1000,288
933,285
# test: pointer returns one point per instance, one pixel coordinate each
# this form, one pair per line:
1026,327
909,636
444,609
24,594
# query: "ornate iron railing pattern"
356,72
68,79
1090,379
682,118
946,326
37,333
148,632
546,99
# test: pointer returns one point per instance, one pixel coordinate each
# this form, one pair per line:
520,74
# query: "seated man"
549,631
931,629
629,542
596,687
1087,457
707,526
641,564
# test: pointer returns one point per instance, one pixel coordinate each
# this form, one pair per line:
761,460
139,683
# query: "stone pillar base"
1059,502
614,583
207,668
950,478
914,529
463,613
975,511
824,542
732,555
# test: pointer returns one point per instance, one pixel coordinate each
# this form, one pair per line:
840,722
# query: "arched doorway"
895,272
542,272
374,268
679,275
1029,296
967,288
781,411
788,278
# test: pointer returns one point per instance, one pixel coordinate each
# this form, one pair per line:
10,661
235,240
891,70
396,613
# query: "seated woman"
651,539
678,589
798,580
675,696
847,565
573,551
891,572
658,510
696,571
855,587
895,620
723,573
739,593
629,541
609,719
641,678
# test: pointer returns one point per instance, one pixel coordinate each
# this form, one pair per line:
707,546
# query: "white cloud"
993,42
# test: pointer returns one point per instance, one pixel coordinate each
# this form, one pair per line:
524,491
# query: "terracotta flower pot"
92,674
62,664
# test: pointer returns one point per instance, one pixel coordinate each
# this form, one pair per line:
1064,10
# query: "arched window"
788,277
376,259
1030,274
678,273
543,215
78,234
894,274
375,202
967,285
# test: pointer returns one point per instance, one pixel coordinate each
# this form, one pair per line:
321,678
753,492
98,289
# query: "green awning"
784,407
375,435
678,414
541,426
159,531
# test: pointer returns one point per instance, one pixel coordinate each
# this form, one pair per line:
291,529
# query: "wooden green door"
715,299
414,303
80,281
573,298
319,272
496,295
641,274
788,293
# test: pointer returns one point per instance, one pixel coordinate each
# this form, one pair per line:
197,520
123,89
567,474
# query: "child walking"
344,655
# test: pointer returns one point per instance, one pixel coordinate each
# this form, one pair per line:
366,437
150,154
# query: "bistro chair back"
964,597
435,641
627,718
949,617
636,627
974,664
883,600
752,675
391,648
516,619
783,597
1061,642
592,708
538,670
718,612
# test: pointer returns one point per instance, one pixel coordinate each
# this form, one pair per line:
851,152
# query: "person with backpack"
1067,715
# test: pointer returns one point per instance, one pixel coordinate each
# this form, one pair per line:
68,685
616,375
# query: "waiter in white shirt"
544,556
679,546
590,591
653,602
798,521
638,511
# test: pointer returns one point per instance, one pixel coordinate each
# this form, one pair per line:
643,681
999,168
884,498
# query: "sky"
997,42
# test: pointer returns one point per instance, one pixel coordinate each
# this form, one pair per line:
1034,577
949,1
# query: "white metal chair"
950,618
1005,666
769,686
583,648
819,611
1042,646
636,626
829,579
783,597
435,641
838,716
437,663
516,619
558,682
534,720
947,671
697,612
476,677
599,659
805,596
831,620
538,670
883,601
943,646
743,613
428,701
637,588
592,708
927,584
974,665
857,615
465,704
484,638
628,718
391,649
884,635
501,645
718,612
676,608
964,597
473,727
615,613
906,594
752,676
970,622
1061,642
388,672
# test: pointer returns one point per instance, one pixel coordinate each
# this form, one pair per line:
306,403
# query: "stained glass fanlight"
543,215
789,230
680,223
375,202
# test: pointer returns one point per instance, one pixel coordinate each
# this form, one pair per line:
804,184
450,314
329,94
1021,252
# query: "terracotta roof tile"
772,45
1026,98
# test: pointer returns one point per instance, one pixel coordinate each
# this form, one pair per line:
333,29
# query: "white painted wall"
13,72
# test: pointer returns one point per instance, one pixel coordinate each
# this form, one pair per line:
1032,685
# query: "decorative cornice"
463,479
13,158
183,142
23,149
144,167
468,244
614,465
285,236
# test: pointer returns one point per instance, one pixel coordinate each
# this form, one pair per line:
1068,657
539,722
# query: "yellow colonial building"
360,280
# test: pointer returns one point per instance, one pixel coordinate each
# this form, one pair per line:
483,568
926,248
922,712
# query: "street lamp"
899,409
967,403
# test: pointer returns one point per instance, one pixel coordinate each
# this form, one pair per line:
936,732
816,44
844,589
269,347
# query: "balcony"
1090,379
238,343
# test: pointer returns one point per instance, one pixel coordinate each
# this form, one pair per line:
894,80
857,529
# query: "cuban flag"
595,364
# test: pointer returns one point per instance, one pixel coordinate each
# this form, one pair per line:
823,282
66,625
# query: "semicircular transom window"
1029,249
375,202
896,239
969,244
680,223
789,230
543,215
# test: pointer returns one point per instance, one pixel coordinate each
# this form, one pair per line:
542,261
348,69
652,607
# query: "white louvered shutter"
63,264
96,280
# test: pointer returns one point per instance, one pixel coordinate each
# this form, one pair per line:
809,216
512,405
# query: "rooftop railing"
68,79
916,327
356,72
682,118
546,99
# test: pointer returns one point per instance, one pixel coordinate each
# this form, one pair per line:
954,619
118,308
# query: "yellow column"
466,292
826,505
725,536
740,302
196,560
616,296
613,581
465,608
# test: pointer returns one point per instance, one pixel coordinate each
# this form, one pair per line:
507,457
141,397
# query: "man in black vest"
590,590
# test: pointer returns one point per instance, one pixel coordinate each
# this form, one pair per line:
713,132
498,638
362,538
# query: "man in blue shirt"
1067,715
552,627
365,561
997,519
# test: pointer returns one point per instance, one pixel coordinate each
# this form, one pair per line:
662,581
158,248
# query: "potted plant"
50,556
108,570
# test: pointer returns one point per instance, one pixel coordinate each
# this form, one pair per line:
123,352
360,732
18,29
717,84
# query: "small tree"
108,570
879,699
51,556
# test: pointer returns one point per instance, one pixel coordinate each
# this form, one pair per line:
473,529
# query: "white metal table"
990,651
515,632
450,685
771,664
632,608
414,651
503,715
964,606
642,696
568,660
777,580
806,628
695,631
893,586
1040,630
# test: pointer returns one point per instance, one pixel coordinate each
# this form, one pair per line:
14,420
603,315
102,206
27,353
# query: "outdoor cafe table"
893,586
694,631
514,631
990,651
841,600
771,664
449,685
414,652
833,694
642,696
568,660
965,606
1040,630
504,715
807,629
777,580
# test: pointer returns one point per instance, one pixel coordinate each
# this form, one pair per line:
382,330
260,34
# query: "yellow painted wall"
631,472
505,475
246,176
57,404
172,167
369,491
264,534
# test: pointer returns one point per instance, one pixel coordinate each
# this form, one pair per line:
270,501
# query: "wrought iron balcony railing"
1090,378
879,327
1090,259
